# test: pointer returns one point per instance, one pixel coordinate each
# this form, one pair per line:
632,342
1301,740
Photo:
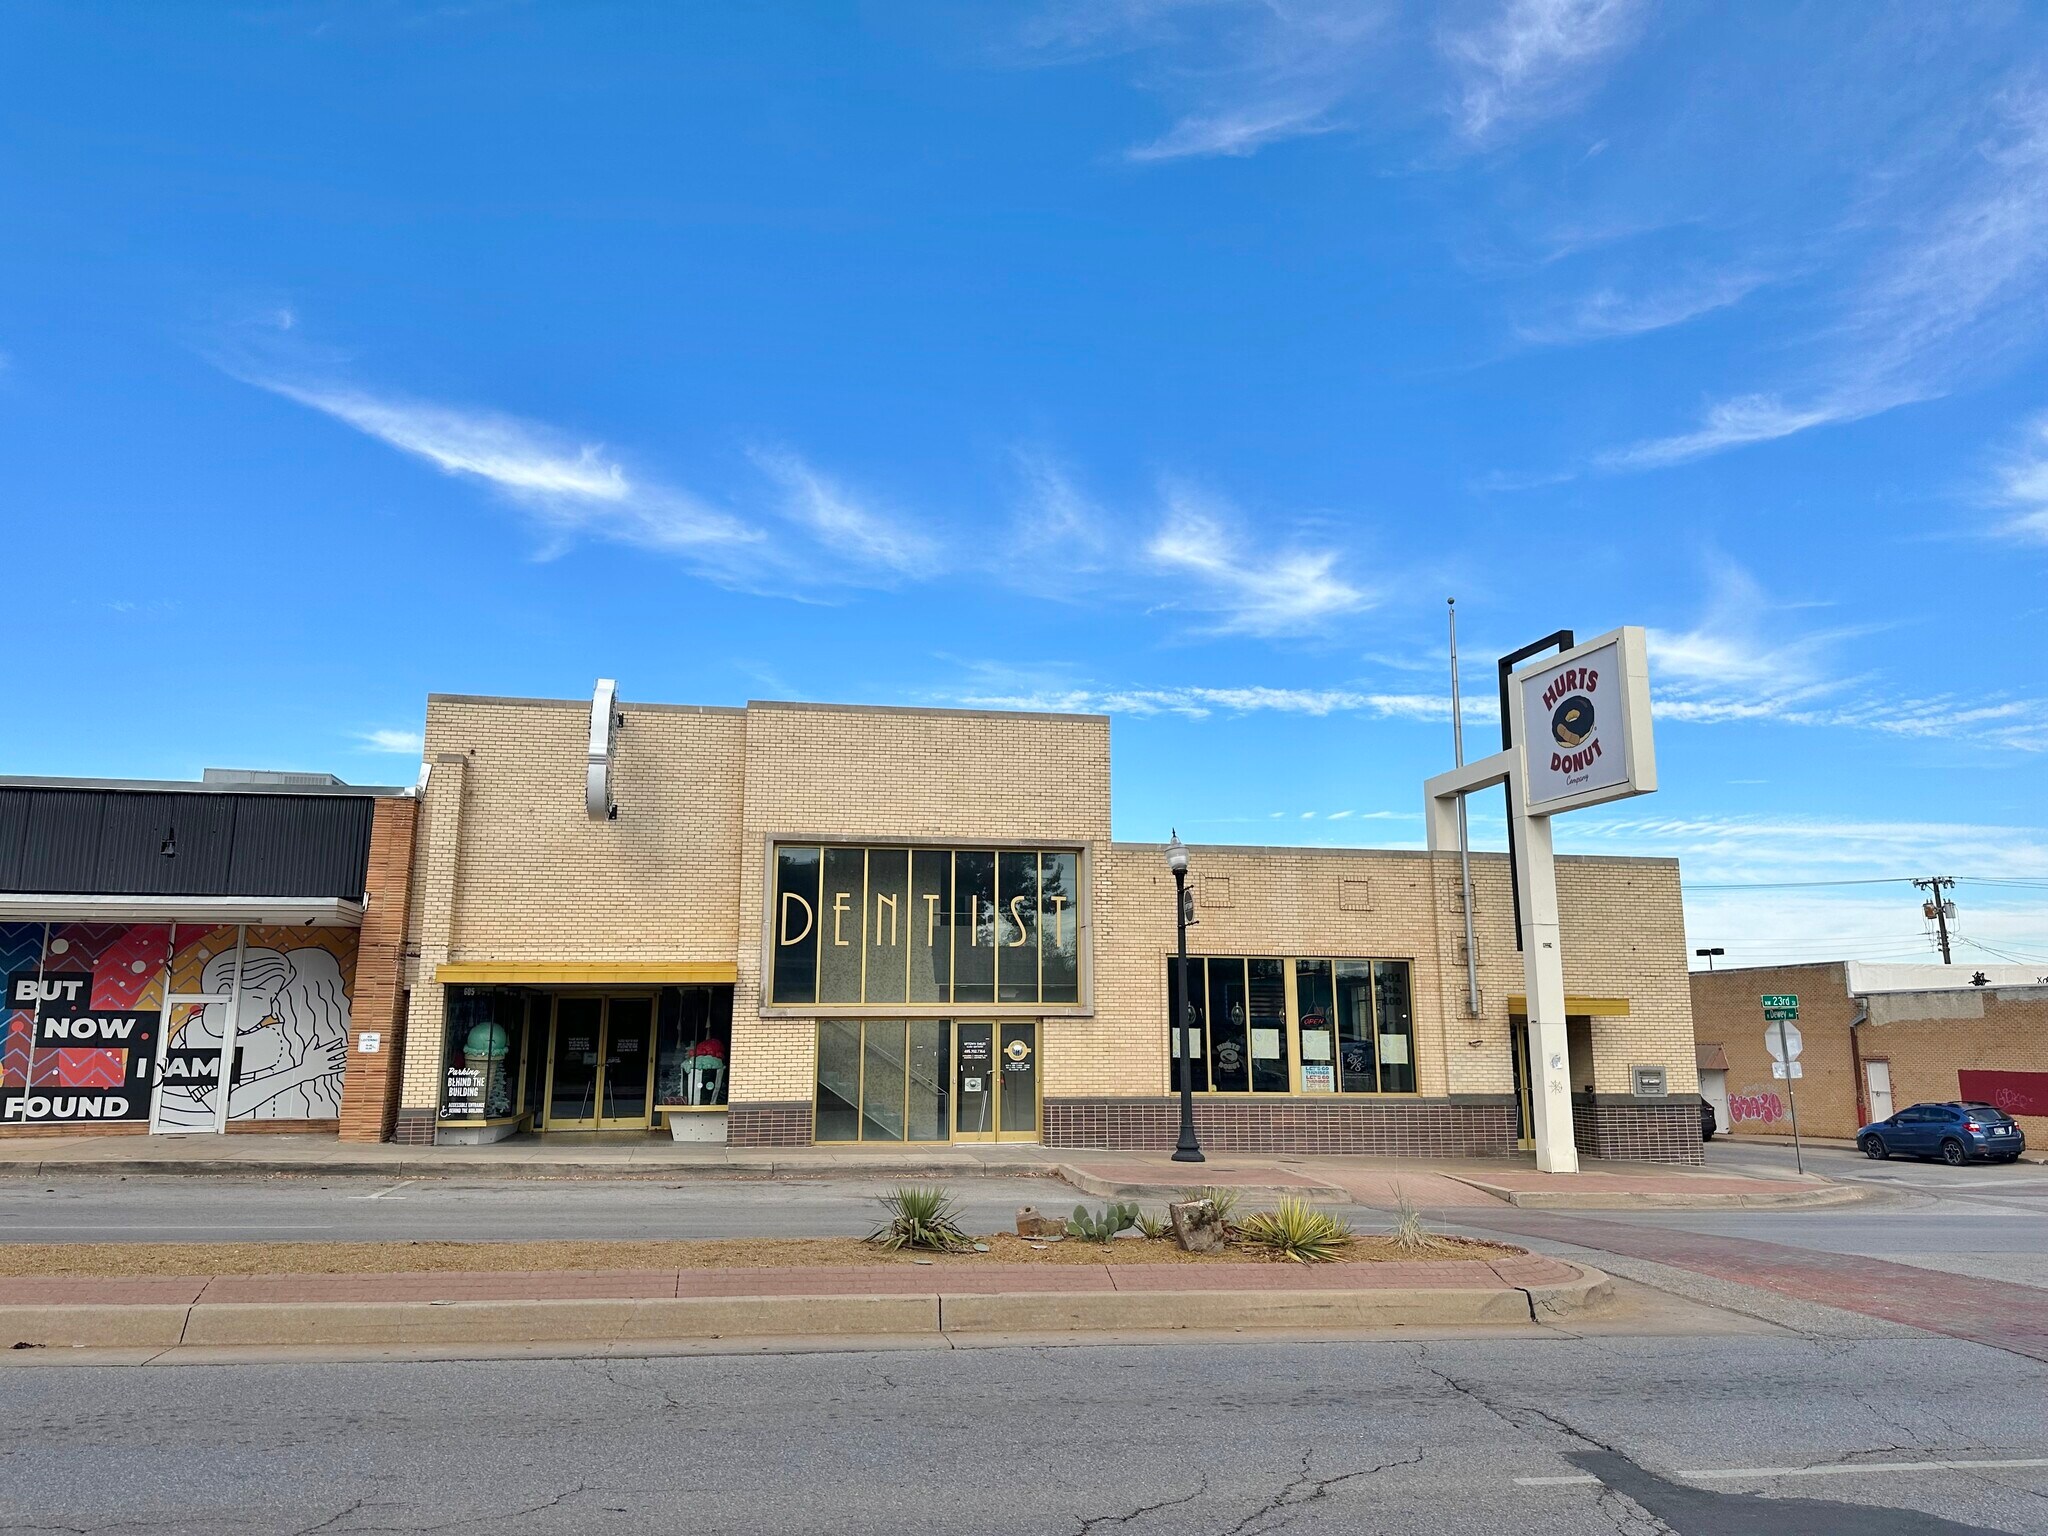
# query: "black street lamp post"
1190,1149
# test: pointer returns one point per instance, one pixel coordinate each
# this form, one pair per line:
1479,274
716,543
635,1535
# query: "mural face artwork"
86,1003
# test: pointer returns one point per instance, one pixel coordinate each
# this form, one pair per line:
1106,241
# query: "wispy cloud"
1747,419
1534,57
2023,486
389,740
1759,925
1247,588
845,525
1607,313
567,485
1959,292
1199,703
1237,75
1062,531
1238,131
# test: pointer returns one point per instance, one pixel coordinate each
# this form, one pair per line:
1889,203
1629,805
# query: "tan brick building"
840,923
1872,1039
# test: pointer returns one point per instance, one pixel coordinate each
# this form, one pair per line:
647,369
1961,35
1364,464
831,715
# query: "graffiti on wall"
2017,1093
86,1003
1757,1104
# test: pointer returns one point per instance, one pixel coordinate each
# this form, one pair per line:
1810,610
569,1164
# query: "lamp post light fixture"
1190,1149
1708,955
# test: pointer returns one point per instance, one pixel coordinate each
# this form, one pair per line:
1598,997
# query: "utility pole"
1464,831
1939,908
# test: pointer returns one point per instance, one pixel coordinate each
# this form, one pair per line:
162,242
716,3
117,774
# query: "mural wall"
88,1040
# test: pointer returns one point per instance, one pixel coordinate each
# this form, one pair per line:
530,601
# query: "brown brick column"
369,1091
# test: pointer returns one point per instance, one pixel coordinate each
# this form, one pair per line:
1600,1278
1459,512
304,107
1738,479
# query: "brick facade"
1384,1128
1728,1012
1641,1129
1926,1036
509,868
369,1097
770,1125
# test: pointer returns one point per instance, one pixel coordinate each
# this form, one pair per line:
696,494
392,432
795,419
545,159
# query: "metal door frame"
596,1120
223,1079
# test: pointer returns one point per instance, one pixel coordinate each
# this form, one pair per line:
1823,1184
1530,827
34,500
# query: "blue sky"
1176,358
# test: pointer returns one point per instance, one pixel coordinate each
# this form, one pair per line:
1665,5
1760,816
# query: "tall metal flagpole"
1464,837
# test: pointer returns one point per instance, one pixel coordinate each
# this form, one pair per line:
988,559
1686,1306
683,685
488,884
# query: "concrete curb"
628,1320
1624,1200
440,1168
1109,1189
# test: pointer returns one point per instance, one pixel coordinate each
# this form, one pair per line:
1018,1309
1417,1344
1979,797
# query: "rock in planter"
1196,1226
1033,1223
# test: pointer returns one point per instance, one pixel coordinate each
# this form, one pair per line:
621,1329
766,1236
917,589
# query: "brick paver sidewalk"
902,1279
1993,1312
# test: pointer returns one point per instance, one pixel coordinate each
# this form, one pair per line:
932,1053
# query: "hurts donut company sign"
1579,721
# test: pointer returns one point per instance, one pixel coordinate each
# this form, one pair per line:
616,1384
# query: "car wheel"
1954,1153
1874,1148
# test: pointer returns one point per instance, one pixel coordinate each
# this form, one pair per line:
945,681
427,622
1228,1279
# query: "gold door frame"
1518,1055
596,1120
998,1130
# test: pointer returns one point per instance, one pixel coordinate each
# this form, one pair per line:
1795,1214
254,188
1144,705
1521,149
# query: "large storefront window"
1267,1025
486,1045
943,926
693,1048
897,1080
184,1027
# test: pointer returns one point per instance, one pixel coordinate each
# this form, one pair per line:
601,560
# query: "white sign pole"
1592,745
1550,1090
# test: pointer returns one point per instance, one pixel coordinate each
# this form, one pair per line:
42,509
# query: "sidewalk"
252,1311
1380,1182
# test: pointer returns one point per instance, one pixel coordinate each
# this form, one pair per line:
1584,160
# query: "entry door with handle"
1877,1084
600,1077
996,1082
194,1062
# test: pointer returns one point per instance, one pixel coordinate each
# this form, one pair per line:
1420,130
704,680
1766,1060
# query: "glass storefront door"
925,1080
628,1077
193,1069
599,1077
996,1082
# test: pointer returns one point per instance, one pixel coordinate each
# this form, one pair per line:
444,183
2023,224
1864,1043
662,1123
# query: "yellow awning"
1573,1003
588,973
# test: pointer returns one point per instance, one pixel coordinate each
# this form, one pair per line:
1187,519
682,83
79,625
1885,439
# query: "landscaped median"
268,1295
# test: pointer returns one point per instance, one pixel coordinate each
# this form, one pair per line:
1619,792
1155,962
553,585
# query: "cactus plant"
1101,1226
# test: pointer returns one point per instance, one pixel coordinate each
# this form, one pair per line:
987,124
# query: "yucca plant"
1296,1231
1101,1226
1153,1227
921,1216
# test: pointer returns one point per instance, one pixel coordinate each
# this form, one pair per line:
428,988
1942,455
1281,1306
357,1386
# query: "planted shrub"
1154,1227
1296,1231
1409,1233
921,1216
1101,1226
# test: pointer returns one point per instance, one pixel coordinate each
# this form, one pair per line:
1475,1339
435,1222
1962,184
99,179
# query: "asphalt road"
1236,1439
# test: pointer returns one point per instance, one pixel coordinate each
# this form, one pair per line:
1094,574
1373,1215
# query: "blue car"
1955,1133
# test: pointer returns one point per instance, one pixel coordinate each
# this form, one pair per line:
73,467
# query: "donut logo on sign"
1573,722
